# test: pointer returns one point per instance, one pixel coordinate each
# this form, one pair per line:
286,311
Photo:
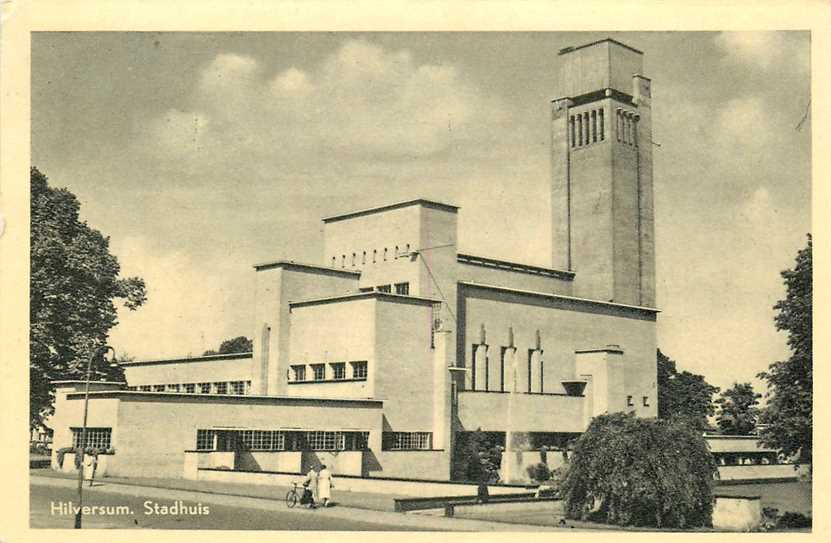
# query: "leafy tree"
737,413
788,415
627,470
683,394
74,280
478,456
240,344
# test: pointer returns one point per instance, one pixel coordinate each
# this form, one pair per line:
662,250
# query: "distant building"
382,357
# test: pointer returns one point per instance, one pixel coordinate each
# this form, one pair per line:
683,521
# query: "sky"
203,154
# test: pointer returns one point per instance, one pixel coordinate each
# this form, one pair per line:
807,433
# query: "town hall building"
380,358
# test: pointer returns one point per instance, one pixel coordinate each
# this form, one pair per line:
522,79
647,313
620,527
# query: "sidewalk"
221,496
354,500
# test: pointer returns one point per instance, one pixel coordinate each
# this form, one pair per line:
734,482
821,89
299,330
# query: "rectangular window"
221,388
158,388
205,440
339,370
238,387
358,369
319,371
325,441
573,131
248,387
366,289
190,388
646,401
132,388
384,288
263,440
298,373
602,124
629,402
173,388
404,441
97,438
204,388
402,289
145,388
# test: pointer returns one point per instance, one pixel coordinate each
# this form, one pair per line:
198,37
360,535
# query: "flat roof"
566,50
83,382
505,265
305,266
558,296
241,397
386,296
204,358
419,201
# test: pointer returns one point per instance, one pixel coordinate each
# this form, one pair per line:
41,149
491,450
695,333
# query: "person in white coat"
324,485
311,485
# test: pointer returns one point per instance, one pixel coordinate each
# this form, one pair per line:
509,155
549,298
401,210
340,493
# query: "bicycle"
292,496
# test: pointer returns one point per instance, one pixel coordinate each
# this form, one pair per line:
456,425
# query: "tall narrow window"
594,126
571,130
635,131
602,128
588,127
374,255
396,253
579,130
334,260
363,258
618,124
353,260
342,261
385,254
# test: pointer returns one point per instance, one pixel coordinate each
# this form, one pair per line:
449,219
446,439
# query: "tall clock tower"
601,173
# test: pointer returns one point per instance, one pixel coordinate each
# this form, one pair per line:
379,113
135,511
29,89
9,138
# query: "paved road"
43,499
220,511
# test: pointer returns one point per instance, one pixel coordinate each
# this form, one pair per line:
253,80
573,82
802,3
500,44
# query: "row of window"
97,438
337,371
237,388
400,288
360,260
590,127
402,441
627,127
631,403
587,127
280,440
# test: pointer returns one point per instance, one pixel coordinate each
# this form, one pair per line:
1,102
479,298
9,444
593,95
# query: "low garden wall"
758,472
401,487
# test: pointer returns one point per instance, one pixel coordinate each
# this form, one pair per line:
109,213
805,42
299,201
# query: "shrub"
643,472
794,520
539,472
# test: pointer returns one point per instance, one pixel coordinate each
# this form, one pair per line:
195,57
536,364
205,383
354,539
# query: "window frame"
338,368
354,364
322,369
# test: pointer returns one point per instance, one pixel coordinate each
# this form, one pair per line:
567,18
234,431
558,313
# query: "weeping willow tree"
631,471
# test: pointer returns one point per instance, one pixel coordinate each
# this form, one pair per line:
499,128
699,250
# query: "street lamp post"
83,440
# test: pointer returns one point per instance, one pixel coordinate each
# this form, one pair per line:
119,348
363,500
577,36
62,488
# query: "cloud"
764,49
363,101
744,122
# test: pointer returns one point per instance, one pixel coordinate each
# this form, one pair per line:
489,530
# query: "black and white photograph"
457,281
